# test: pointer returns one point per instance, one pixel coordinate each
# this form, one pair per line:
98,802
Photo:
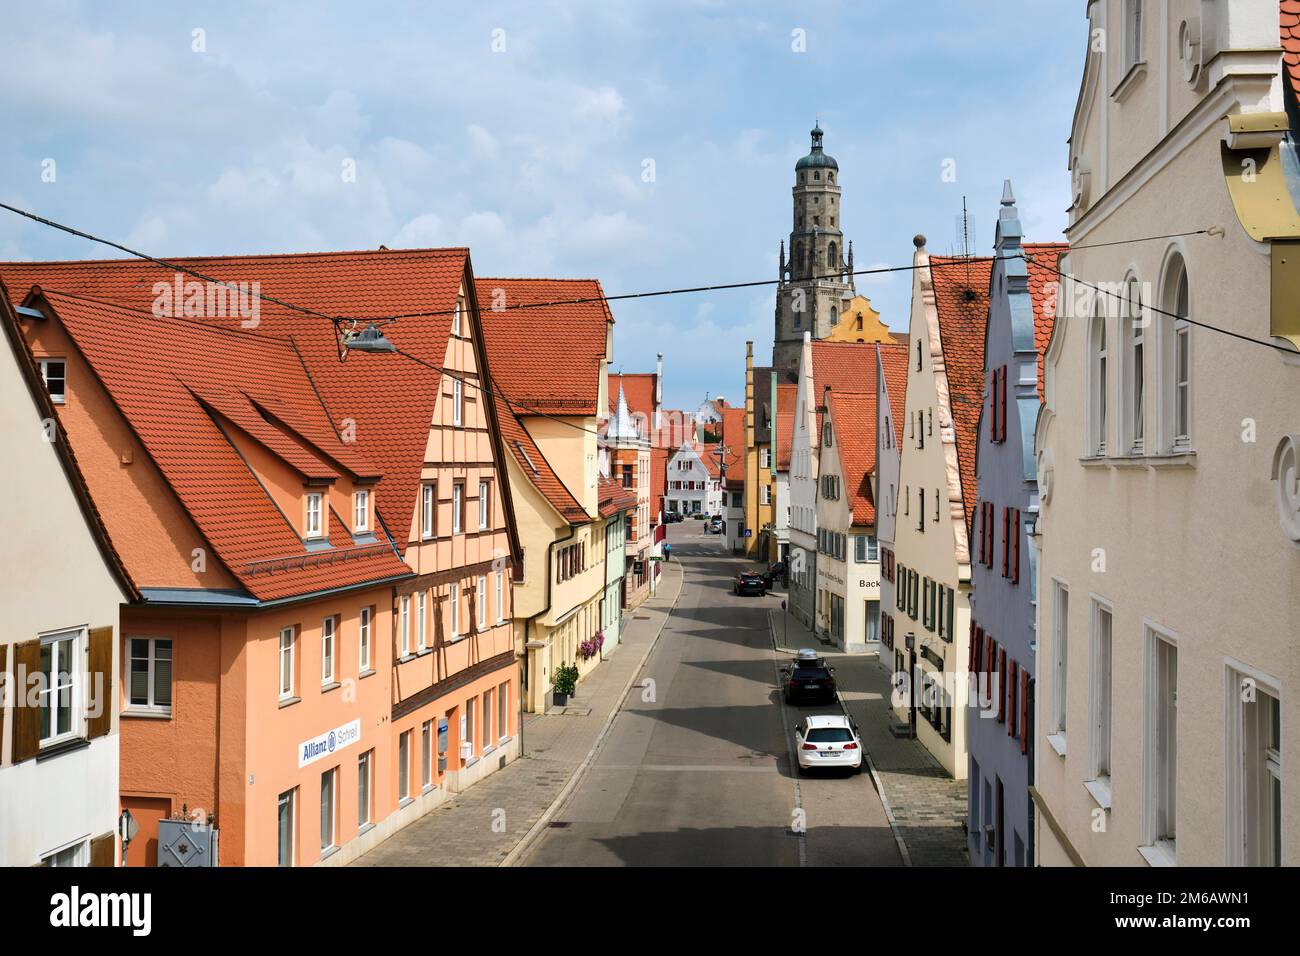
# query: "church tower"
818,276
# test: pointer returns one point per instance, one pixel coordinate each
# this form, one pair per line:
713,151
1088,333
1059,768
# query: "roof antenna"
969,294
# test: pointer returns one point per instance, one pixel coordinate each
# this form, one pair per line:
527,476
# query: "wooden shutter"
27,720
4,695
1002,405
1026,690
1013,675
1015,546
1002,683
99,667
1006,541
993,405
103,848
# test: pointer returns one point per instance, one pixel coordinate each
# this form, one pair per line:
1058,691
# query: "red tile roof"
174,380
893,358
547,358
786,397
535,467
639,391
711,455
853,417
389,399
1043,259
1289,26
841,366
961,293
46,411
613,497
733,439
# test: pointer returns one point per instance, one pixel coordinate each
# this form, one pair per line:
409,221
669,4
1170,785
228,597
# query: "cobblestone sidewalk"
929,807
482,825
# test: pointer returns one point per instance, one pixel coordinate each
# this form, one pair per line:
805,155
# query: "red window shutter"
993,405
1013,676
1002,683
1015,546
970,651
1025,685
1002,406
993,534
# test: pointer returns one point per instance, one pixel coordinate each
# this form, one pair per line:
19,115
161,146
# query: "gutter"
202,598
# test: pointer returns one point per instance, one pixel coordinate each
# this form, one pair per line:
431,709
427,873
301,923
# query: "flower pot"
561,700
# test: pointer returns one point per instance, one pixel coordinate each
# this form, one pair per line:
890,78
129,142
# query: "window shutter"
1002,683
1015,545
1002,405
1026,689
993,405
972,652
27,722
4,696
951,618
100,668
103,849
1013,676
1006,541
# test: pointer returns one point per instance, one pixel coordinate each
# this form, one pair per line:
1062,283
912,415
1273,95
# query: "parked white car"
829,741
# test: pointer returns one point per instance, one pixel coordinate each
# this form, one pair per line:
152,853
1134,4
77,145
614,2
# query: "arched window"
1176,358
817,176
835,316
1133,319
830,178
832,260
1098,361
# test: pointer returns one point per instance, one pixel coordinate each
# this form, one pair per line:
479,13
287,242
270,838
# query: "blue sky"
533,155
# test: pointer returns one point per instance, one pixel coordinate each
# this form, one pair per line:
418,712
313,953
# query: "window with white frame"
327,650
1160,747
501,597
421,620
426,754
467,722
455,319
503,710
150,675
766,495
1132,33
1134,321
54,372
1176,360
314,515
328,784
60,691
1254,784
365,786
406,624
457,402
457,505
480,594
454,605
1060,654
361,511
487,719
865,548
764,458
484,505
1098,381
404,765
428,508
76,855
287,662
1100,693
363,639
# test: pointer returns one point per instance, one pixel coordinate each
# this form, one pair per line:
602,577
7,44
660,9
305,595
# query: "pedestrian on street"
668,551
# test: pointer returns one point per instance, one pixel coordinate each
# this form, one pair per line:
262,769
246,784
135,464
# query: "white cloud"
482,142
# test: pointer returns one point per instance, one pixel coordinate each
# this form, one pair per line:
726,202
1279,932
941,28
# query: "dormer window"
55,374
315,519
361,511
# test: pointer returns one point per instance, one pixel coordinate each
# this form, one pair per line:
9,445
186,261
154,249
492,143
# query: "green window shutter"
951,632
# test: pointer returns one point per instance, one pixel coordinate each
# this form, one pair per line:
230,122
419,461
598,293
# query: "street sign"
749,532
127,826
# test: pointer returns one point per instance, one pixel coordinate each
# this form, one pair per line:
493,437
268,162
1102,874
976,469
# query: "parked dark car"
809,682
749,582
775,570
698,515
673,517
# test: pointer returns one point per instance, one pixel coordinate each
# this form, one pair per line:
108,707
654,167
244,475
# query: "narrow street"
697,768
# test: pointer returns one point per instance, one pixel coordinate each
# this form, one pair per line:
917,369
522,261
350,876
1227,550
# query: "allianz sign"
309,751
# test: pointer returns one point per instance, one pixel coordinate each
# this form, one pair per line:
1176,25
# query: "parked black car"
673,517
809,681
749,582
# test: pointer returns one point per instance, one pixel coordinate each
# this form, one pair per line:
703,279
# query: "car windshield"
829,735
813,673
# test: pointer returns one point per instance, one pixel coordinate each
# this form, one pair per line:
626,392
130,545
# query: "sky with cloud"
528,130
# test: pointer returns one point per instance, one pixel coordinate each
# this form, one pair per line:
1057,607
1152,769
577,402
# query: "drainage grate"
559,824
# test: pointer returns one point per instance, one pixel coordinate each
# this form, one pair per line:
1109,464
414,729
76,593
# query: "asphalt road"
697,768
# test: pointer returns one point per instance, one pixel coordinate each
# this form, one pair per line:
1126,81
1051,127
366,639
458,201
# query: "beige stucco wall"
1190,545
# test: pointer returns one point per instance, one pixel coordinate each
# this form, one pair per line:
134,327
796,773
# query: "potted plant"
564,683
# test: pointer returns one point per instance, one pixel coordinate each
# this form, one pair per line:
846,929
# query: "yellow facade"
859,322
760,474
